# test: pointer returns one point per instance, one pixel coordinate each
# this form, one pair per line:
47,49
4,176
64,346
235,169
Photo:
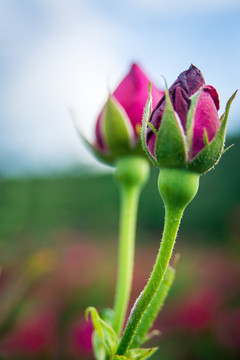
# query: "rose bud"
184,129
118,125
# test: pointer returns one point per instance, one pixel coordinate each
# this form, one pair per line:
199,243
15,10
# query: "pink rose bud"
184,129
119,123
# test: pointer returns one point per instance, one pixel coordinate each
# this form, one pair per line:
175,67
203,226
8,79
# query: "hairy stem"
131,174
177,188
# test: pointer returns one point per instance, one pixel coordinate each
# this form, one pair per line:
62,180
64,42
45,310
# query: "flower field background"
58,254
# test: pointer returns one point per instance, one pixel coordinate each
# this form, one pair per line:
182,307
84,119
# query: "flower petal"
132,94
206,119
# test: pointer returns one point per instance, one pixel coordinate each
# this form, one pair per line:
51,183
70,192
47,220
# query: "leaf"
171,147
105,332
107,315
154,308
98,347
136,354
145,121
211,154
141,354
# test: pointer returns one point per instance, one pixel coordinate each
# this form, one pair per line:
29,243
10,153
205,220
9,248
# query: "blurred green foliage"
76,215
37,206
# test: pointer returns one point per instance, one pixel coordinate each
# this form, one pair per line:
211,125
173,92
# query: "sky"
58,55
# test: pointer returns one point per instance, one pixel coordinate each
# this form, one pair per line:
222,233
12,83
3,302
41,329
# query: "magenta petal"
213,92
187,84
181,103
205,117
132,94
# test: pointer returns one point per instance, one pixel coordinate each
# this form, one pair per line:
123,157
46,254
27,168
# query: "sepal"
190,118
145,121
106,158
99,154
211,153
170,147
117,130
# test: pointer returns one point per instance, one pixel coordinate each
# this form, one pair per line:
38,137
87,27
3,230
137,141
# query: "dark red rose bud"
184,130
187,84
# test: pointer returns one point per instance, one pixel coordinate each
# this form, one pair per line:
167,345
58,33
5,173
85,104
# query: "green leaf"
154,308
105,332
107,315
136,354
98,347
171,148
117,128
145,121
211,154
141,354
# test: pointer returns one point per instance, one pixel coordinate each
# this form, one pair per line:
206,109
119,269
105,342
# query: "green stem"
172,221
131,174
177,188
128,214
141,334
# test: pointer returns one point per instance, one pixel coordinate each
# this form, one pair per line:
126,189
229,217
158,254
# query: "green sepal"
105,332
98,153
190,118
104,157
211,153
145,120
137,354
152,311
117,129
170,148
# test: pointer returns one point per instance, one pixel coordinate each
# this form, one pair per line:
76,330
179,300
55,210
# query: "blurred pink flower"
35,335
81,335
228,329
193,312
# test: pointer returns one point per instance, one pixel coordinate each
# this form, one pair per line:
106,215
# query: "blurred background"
59,206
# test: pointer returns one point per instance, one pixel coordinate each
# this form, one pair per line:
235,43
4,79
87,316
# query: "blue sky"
60,54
